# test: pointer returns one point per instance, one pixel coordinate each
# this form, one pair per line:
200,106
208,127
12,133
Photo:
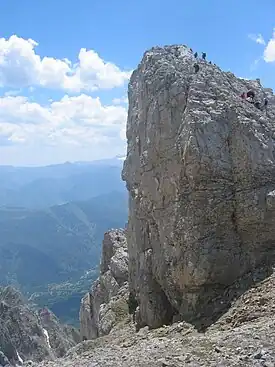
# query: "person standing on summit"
196,67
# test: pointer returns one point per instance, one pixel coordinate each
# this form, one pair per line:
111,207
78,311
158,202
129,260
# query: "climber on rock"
250,93
203,55
250,96
196,67
243,95
132,305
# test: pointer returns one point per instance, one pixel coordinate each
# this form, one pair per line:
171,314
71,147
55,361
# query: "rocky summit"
200,171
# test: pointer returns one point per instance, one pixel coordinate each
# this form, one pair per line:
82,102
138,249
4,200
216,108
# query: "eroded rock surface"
244,336
27,335
106,304
200,170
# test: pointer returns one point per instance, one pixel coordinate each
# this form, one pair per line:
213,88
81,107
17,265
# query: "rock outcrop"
24,335
200,170
243,337
106,304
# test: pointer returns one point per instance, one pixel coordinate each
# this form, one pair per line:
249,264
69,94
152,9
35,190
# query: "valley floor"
244,336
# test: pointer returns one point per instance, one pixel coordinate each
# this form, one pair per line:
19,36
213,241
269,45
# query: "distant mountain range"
56,244
52,222
40,187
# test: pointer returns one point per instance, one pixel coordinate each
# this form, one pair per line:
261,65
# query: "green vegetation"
45,252
52,222
64,298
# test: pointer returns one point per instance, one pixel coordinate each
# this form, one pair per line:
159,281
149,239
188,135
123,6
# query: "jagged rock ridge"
106,304
26,335
200,170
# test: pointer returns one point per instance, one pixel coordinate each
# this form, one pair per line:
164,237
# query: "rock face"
24,335
200,171
106,304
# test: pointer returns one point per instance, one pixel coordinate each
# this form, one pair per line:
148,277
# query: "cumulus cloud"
269,52
258,38
71,121
21,66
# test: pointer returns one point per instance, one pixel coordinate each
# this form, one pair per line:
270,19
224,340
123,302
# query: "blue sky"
47,117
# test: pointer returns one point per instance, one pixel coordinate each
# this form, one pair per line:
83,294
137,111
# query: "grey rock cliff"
200,170
106,304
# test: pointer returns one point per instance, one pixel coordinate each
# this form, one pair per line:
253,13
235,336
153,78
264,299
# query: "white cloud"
72,122
21,66
269,52
258,38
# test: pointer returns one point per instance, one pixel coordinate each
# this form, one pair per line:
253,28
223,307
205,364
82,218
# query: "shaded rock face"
24,335
200,170
106,304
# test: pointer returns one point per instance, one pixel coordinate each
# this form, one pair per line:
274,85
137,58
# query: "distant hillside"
56,244
52,222
42,249
40,187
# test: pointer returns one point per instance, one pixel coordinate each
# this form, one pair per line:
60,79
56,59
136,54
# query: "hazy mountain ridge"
46,250
40,187
58,243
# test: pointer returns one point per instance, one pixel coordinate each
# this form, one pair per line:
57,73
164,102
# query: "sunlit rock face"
107,303
200,170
